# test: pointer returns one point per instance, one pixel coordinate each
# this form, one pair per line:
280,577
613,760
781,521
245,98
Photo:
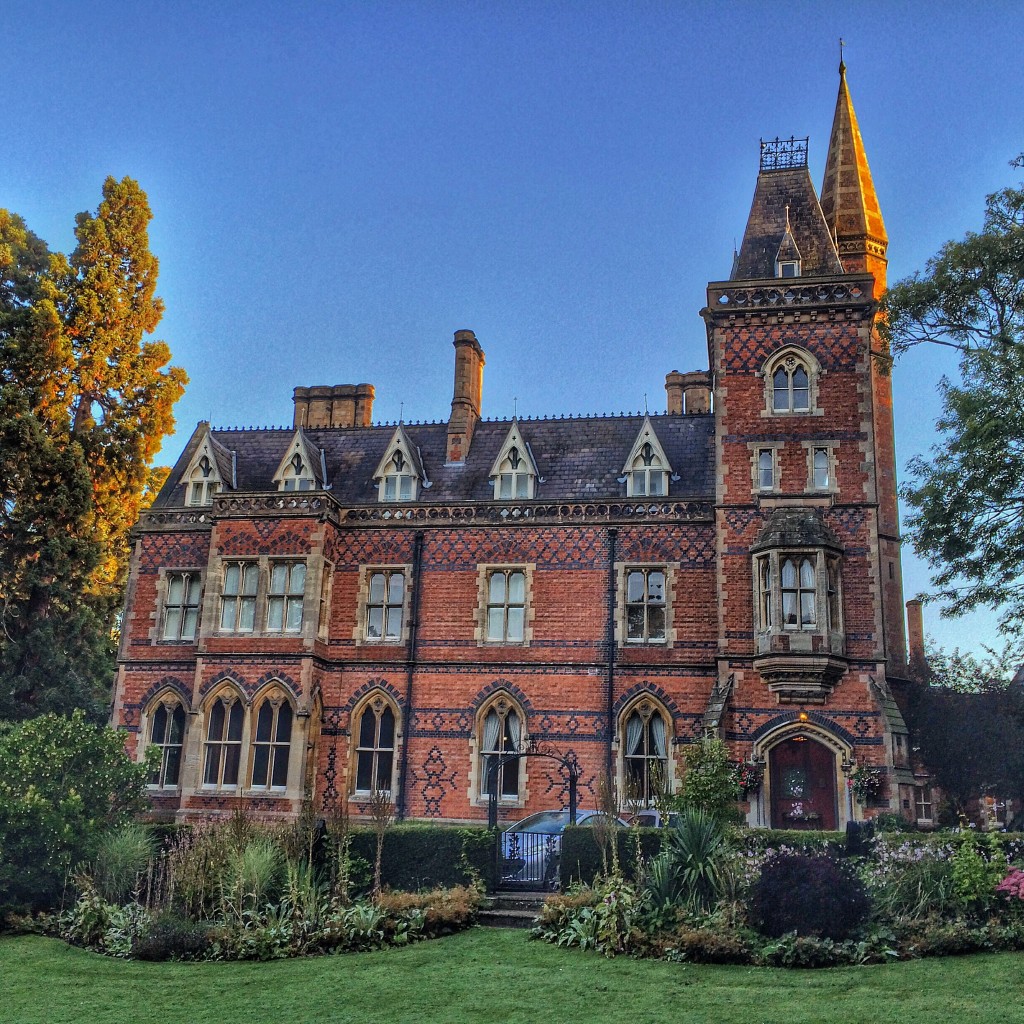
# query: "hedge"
581,859
423,856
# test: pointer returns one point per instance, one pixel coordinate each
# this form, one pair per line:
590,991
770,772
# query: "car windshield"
546,822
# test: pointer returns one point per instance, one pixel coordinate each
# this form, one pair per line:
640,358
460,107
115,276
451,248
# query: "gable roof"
579,459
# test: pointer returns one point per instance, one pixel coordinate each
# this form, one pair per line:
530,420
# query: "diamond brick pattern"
181,551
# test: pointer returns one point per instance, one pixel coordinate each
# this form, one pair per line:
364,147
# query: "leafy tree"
63,782
709,783
85,402
967,499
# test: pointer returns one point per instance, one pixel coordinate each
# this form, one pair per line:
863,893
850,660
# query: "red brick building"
340,607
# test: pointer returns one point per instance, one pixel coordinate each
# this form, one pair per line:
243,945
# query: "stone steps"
512,909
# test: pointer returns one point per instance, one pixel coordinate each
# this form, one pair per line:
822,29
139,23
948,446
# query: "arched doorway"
802,781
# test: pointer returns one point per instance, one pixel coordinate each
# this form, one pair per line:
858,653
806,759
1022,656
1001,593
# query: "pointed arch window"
399,483
271,745
297,475
167,734
203,482
501,733
647,476
515,476
375,729
223,754
644,746
799,587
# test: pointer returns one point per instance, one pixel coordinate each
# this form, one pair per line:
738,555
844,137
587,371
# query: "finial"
645,403
788,229
842,63
515,407
401,411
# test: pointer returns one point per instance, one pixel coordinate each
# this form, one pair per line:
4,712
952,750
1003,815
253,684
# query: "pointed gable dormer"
514,472
399,475
302,468
848,198
211,469
647,469
787,259
785,203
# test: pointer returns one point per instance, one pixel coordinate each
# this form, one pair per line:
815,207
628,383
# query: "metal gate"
529,860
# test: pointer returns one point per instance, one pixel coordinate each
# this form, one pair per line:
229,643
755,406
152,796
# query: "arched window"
167,734
791,388
297,476
399,483
644,751
375,729
501,733
223,741
203,483
271,743
515,476
647,475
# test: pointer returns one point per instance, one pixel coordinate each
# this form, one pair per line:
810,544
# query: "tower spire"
848,198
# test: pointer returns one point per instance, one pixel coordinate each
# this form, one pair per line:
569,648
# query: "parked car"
531,848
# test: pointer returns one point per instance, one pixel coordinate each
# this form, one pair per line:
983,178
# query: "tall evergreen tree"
85,402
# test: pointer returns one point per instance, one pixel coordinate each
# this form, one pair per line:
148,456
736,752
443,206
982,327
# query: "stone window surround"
169,699
822,561
363,597
756,447
484,570
814,373
831,448
211,613
250,710
477,798
158,615
376,698
622,571
646,703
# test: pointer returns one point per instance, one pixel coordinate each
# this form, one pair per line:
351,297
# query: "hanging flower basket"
866,784
749,777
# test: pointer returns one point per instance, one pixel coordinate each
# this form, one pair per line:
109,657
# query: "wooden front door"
803,781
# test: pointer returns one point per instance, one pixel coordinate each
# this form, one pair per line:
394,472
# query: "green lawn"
493,975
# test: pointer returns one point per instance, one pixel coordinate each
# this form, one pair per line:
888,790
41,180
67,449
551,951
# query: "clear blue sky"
338,187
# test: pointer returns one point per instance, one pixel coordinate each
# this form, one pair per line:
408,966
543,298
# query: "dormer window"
297,476
647,469
514,479
399,484
647,476
787,268
203,483
513,472
399,474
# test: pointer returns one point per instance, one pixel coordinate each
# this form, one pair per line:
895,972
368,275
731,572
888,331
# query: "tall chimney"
674,392
469,386
915,638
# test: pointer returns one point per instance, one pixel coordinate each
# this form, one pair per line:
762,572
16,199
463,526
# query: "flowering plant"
866,784
1012,885
749,776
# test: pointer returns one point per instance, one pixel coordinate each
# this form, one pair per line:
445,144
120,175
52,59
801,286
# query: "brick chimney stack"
915,638
343,405
469,386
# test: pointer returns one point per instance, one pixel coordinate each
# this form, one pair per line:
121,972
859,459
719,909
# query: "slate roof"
766,227
578,459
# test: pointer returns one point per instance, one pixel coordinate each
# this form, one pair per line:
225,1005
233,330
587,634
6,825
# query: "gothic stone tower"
808,560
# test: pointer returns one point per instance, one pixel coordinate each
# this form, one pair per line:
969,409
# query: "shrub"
443,911
809,895
695,847
63,782
169,936
709,946
978,866
251,878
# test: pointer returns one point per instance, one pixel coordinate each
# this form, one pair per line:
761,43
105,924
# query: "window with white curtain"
644,748
501,734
